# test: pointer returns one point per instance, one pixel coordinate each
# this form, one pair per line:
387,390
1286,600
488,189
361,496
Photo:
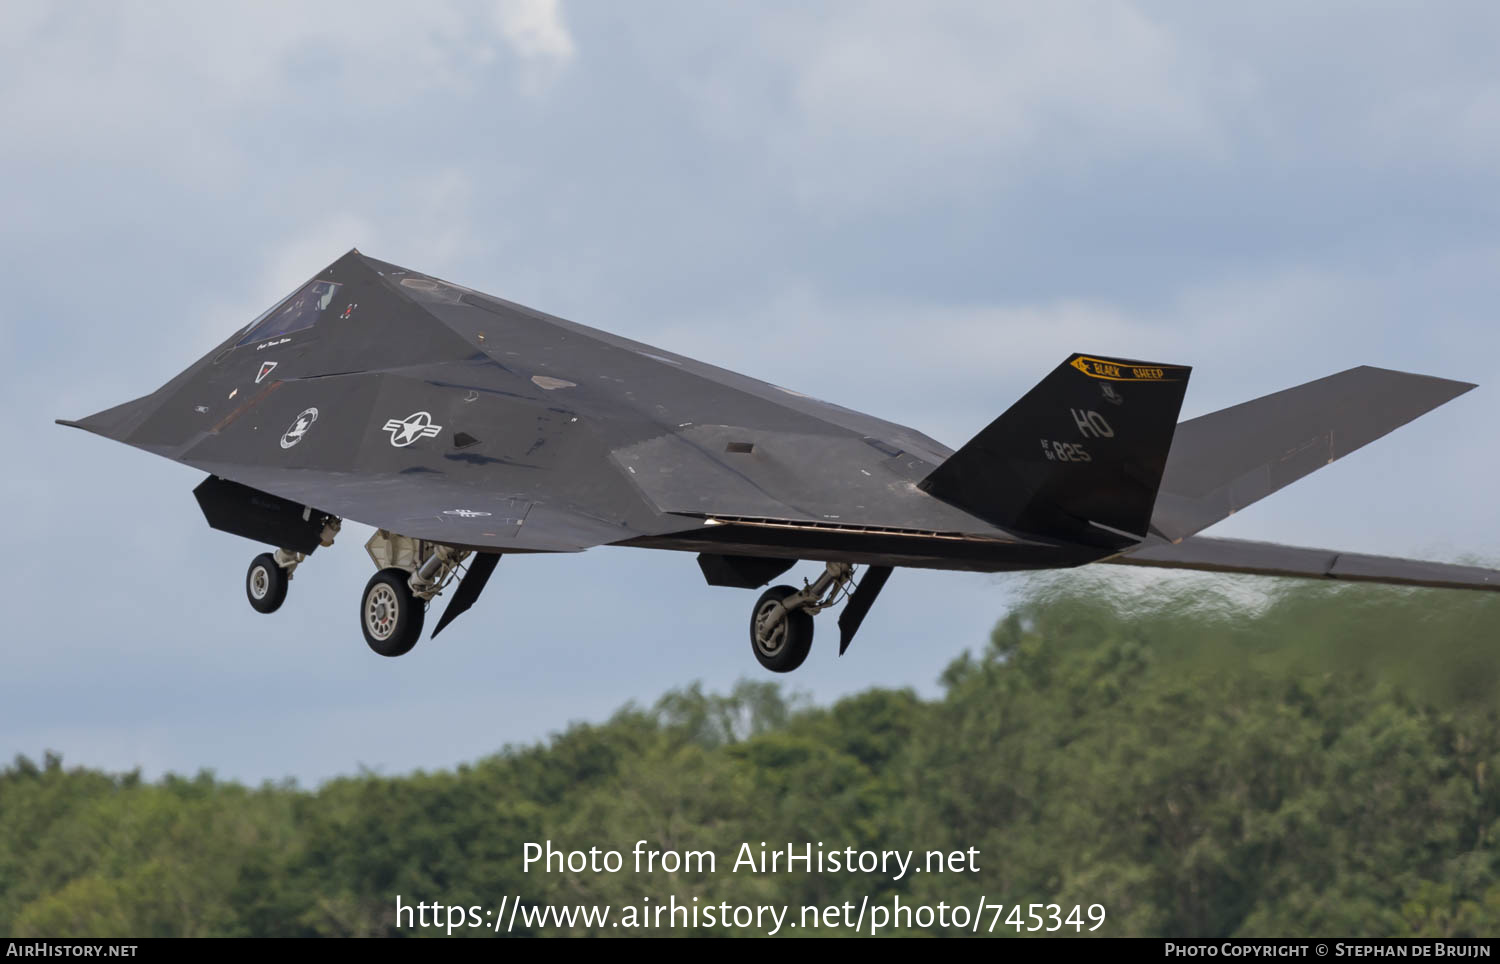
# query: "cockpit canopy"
302,310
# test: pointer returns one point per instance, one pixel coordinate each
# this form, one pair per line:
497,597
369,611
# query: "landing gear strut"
781,625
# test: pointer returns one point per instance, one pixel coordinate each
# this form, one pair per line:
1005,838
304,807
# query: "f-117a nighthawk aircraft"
465,427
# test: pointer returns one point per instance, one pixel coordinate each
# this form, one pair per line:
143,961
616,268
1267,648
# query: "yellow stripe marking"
1115,372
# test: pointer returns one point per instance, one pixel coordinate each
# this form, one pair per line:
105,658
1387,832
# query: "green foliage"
1199,757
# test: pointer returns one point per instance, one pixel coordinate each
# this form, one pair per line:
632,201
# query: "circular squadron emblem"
299,428
417,425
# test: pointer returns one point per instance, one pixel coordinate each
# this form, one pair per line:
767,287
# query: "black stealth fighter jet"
465,427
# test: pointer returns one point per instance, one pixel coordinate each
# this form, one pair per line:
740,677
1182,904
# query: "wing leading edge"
1269,559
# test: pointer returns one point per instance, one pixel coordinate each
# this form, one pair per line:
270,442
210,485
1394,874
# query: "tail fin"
1226,460
1079,457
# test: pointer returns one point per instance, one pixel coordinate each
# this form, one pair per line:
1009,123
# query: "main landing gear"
394,605
390,614
781,624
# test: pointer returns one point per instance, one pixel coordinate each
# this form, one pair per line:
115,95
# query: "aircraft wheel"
265,584
389,614
785,646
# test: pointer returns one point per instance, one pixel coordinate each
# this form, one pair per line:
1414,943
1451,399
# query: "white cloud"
999,73
535,29
876,94
158,81
536,33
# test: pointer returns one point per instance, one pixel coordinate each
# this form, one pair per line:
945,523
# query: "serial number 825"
1046,917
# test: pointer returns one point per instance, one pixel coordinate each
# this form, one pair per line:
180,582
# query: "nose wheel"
270,572
265,583
390,614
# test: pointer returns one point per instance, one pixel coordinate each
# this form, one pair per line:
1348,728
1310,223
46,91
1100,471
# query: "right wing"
1269,559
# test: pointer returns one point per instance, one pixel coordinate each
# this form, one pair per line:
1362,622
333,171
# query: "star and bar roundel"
416,426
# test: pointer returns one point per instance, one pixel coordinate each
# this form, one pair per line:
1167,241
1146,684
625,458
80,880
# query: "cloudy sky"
912,209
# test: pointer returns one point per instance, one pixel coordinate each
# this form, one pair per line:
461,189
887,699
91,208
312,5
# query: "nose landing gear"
270,573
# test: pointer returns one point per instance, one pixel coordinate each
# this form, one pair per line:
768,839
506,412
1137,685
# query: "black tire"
265,584
790,642
389,614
